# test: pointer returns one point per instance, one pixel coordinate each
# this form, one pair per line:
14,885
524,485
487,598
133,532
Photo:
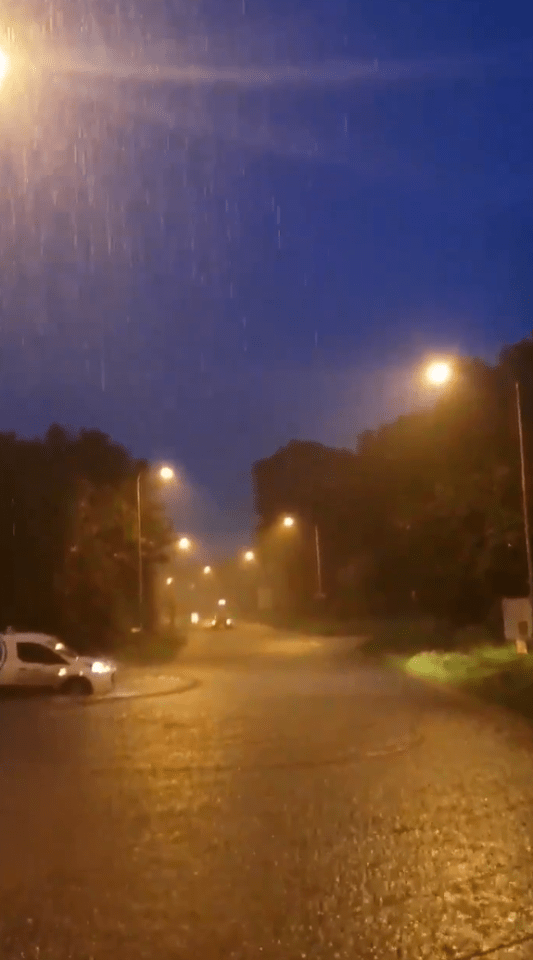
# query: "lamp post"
320,593
525,503
440,372
140,549
166,474
289,522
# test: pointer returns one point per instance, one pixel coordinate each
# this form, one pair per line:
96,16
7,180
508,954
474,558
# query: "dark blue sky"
227,224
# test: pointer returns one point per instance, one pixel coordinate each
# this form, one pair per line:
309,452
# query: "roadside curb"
183,687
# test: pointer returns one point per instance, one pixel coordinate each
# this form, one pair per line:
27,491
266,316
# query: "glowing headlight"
99,667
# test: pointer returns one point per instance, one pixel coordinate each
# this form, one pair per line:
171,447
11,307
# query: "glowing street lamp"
288,521
169,581
207,570
439,372
184,544
249,556
166,473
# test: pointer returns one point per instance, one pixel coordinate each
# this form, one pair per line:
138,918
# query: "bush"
404,636
474,636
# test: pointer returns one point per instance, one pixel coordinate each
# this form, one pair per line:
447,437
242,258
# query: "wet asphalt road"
295,805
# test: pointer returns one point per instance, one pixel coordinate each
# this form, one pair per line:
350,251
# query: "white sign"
517,621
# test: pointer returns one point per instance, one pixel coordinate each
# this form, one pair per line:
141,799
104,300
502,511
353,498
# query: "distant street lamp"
249,556
169,581
288,521
184,544
166,474
207,570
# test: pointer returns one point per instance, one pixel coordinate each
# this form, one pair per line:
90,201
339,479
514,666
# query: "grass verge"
382,635
494,673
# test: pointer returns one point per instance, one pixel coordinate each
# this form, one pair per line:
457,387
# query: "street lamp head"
439,372
169,581
288,521
184,543
249,556
166,473
207,570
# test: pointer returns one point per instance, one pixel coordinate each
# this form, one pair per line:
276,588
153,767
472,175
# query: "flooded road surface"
295,805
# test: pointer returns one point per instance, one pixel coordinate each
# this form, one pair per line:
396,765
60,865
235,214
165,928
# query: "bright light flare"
288,521
166,473
222,603
439,372
184,543
99,666
207,570
169,581
4,65
249,556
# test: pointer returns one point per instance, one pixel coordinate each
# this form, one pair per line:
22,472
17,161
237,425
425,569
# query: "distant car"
36,660
221,622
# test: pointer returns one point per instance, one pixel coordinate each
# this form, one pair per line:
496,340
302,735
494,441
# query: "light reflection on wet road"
294,805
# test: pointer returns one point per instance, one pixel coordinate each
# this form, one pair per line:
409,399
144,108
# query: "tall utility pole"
320,593
140,549
166,474
525,503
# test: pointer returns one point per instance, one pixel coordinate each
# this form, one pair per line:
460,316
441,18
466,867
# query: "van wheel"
77,687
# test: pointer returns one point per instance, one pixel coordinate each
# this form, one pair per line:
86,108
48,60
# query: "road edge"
184,687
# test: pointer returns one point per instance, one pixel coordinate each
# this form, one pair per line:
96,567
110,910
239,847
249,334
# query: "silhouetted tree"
425,515
68,535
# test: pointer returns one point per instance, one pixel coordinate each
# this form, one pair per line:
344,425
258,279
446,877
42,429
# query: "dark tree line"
68,536
425,516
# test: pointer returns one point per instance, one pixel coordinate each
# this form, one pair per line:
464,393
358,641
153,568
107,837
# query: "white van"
37,660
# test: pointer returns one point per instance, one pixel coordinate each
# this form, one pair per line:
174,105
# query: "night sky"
228,223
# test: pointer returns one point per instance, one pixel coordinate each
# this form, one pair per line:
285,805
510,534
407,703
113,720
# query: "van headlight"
100,667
